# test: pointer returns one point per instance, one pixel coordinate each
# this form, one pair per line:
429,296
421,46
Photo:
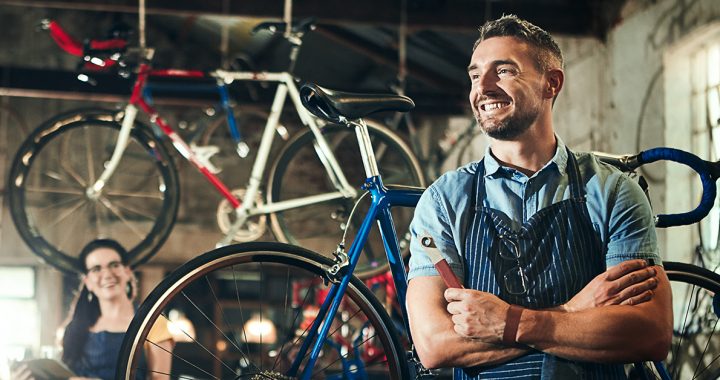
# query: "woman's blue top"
99,356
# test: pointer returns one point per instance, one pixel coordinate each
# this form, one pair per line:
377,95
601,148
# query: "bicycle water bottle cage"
339,107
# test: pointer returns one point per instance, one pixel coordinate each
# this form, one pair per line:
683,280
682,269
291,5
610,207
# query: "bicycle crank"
253,228
265,375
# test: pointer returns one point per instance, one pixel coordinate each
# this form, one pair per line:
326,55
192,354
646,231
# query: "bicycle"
221,287
94,172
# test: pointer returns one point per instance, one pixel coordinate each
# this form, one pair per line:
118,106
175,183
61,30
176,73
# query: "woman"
100,315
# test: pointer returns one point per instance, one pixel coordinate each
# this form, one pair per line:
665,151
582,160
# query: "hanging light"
180,327
259,330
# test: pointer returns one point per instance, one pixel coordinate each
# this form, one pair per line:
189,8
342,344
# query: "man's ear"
555,79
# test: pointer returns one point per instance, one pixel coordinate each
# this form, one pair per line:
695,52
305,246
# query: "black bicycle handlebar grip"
700,166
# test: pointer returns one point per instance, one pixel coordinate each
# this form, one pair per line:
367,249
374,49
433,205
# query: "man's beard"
510,128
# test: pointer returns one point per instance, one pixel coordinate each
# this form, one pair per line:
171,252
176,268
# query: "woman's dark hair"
85,312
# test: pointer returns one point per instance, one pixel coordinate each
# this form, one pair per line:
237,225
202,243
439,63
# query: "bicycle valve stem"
448,276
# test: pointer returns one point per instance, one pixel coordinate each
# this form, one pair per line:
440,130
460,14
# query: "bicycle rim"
320,226
250,306
54,167
695,350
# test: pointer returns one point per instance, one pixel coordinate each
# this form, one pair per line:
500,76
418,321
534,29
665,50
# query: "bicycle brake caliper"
341,261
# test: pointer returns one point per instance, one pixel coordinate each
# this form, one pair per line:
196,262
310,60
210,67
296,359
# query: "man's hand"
478,315
628,283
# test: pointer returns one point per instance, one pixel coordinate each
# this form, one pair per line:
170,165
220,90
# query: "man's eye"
114,265
95,269
506,71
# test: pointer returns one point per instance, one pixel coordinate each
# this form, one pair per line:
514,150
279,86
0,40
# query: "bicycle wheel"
61,159
320,226
250,305
695,350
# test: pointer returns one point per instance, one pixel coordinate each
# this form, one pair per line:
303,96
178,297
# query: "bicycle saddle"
335,106
301,26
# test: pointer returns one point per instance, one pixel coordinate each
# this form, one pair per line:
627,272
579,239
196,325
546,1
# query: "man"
550,245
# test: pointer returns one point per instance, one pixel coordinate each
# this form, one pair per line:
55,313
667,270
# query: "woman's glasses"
516,281
112,267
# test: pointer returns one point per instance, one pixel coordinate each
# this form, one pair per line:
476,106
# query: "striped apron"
557,252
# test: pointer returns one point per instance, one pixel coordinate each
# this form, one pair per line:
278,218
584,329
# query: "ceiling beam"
571,17
64,85
388,57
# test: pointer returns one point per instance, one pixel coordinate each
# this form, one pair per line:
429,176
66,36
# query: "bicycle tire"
319,227
52,169
694,325
235,281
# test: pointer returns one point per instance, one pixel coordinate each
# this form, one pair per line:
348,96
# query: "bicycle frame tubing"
382,201
286,86
140,99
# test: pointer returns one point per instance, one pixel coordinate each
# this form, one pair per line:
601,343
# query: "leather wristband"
512,321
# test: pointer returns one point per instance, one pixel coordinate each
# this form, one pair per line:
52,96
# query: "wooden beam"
63,85
571,17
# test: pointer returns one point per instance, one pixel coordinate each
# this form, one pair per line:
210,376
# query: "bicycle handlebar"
708,171
96,54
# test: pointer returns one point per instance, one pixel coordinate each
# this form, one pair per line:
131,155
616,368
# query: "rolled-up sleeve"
431,218
631,225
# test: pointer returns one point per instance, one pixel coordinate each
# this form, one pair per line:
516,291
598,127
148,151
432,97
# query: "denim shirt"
618,208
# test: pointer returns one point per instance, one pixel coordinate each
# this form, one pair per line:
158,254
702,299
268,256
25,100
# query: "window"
19,329
705,78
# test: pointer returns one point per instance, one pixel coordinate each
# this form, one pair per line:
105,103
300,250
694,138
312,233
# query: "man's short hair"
548,54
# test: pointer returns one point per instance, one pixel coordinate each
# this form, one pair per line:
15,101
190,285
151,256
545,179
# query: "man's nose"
487,82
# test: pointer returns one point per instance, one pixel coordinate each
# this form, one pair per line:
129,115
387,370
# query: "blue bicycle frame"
383,199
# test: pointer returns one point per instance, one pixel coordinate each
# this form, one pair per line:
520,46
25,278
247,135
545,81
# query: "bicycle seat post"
296,43
295,38
366,149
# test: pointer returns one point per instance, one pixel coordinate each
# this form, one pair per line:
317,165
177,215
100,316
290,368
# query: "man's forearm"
449,349
436,341
609,334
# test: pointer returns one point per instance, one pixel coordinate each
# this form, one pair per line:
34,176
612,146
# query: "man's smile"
487,107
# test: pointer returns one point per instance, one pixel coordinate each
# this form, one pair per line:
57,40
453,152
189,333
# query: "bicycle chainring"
253,228
271,375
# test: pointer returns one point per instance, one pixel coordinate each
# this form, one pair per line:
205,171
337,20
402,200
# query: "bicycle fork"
94,191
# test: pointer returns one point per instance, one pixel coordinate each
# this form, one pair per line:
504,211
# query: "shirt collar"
559,160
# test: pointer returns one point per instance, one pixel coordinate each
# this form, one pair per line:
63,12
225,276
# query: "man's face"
507,88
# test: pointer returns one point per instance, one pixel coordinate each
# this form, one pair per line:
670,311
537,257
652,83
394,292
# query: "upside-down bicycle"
103,173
